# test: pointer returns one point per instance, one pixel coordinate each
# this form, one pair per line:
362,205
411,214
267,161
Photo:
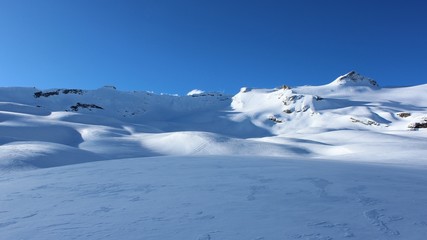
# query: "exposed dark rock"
210,94
317,98
56,92
274,119
45,94
418,125
421,123
72,91
292,99
355,77
404,114
84,105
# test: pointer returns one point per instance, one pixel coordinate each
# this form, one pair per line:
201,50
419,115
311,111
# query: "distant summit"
355,79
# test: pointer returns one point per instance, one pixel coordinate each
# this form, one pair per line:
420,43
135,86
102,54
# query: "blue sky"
175,46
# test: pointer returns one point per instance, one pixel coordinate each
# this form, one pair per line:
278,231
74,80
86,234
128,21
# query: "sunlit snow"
345,160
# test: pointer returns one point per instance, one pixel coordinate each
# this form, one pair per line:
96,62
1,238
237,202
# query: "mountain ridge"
107,123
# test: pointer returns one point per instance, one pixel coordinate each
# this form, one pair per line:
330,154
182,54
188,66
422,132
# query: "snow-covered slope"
222,198
345,160
346,117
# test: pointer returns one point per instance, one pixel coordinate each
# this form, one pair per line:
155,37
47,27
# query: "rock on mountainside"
355,79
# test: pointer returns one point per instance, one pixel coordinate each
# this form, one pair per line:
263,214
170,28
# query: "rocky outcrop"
420,122
355,79
404,114
57,92
76,107
275,119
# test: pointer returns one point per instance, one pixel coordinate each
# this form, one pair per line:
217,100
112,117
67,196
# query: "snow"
195,92
355,79
215,198
342,160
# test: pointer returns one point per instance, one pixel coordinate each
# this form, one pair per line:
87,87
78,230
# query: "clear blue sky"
218,45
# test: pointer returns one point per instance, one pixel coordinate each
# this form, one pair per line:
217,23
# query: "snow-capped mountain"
345,160
37,126
355,79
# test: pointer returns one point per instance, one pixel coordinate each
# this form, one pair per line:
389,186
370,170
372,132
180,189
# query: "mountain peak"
355,79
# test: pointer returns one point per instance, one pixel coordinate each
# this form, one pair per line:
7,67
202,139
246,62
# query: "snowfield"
346,160
215,198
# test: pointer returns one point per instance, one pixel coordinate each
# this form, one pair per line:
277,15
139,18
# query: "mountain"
344,117
345,160
355,79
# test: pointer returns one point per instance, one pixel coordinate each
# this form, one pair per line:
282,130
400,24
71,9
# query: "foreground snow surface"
214,197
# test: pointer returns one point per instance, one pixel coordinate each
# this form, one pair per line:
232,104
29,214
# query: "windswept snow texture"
344,160
202,198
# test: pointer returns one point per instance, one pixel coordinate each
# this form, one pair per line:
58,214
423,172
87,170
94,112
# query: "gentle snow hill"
343,118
